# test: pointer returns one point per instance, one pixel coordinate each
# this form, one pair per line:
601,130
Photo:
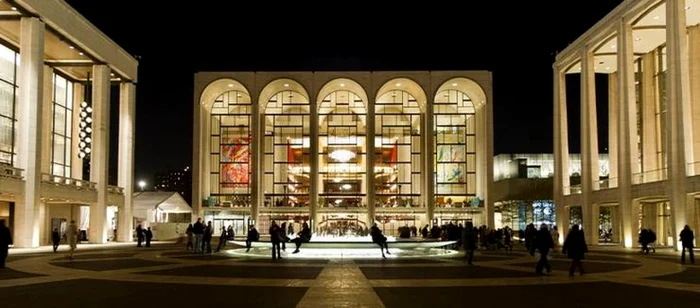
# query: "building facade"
342,150
56,73
176,180
650,52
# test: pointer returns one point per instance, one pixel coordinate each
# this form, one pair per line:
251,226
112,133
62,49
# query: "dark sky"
516,40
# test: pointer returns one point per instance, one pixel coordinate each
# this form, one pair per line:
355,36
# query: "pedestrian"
379,239
190,236
275,240
470,240
222,239
139,235
206,238
687,238
198,231
56,239
283,236
555,236
253,236
72,235
149,235
304,236
574,248
542,242
5,242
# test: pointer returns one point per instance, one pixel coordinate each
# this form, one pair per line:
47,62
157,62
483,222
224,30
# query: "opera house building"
343,150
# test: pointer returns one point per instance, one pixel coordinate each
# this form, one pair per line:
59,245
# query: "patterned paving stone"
108,265
269,272
447,272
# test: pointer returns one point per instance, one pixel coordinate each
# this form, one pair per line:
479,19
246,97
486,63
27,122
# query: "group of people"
279,236
142,234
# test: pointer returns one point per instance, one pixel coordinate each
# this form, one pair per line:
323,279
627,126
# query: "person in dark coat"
5,242
542,242
687,238
574,248
253,236
470,240
222,239
275,240
139,235
304,236
206,238
198,231
379,239
149,236
56,239
284,238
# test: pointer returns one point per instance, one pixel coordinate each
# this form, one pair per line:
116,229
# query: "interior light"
83,104
230,85
88,139
88,150
71,47
638,39
111,74
342,85
454,84
14,8
239,95
337,180
286,85
656,17
346,186
83,124
83,114
88,129
88,109
82,144
82,134
81,53
81,154
343,155
88,119
398,84
613,46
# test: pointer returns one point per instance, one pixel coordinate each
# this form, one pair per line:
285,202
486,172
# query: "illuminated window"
230,129
287,149
62,126
342,149
397,168
9,60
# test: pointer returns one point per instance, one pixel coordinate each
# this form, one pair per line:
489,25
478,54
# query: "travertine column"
627,146
314,161
694,67
76,162
613,98
484,158
678,113
429,176
99,158
589,147
198,159
370,160
127,125
29,116
257,159
561,151
650,160
47,124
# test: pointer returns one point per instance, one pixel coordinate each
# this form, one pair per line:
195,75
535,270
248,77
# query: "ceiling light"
454,84
607,67
14,8
286,85
613,46
111,74
346,186
342,85
71,47
81,53
656,17
637,39
342,156
239,95
230,85
398,84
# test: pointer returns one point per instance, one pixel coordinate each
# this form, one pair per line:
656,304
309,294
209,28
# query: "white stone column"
99,158
627,146
314,164
650,160
257,159
198,159
590,176
76,168
613,98
370,160
678,113
47,123
484,159
29,116
561,150
429,174
694,67
127,126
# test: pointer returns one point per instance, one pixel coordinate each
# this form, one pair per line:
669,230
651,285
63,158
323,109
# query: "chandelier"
342,156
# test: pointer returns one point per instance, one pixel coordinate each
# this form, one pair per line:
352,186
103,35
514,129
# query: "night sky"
516,40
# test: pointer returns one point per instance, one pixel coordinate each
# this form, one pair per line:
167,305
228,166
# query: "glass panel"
7,99
7,64
59,124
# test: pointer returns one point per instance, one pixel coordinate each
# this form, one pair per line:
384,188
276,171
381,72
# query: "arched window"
397,168
287,149
454,149
342,150
230,128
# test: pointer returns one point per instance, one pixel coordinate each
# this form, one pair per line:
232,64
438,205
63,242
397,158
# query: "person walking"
222,239
72,235
149,235
275,239
55,239
555,236
5,242
198,231
253,236
542,242
687,238
190,237
379,239
470,240
139,235
574,248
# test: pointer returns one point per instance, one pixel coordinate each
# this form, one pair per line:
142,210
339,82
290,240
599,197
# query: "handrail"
607,183
573,189
64,181
112,189
649,176
8,171
694,168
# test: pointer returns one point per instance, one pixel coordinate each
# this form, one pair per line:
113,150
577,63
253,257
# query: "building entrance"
342,225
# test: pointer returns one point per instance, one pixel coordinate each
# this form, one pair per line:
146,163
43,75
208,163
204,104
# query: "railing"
607,183
115,190
8,171
572,190
64,181
649,176
694,168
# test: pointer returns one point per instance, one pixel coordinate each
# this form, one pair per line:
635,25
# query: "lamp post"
142,184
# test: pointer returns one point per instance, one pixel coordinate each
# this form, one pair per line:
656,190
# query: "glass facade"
397,145
62,126
342,150
287,148
9,60
454,145
230,136
660,81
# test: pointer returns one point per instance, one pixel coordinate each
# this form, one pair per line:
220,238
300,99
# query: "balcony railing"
694,168
8,171
649,176
115,190
607,183
64,181
572,190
